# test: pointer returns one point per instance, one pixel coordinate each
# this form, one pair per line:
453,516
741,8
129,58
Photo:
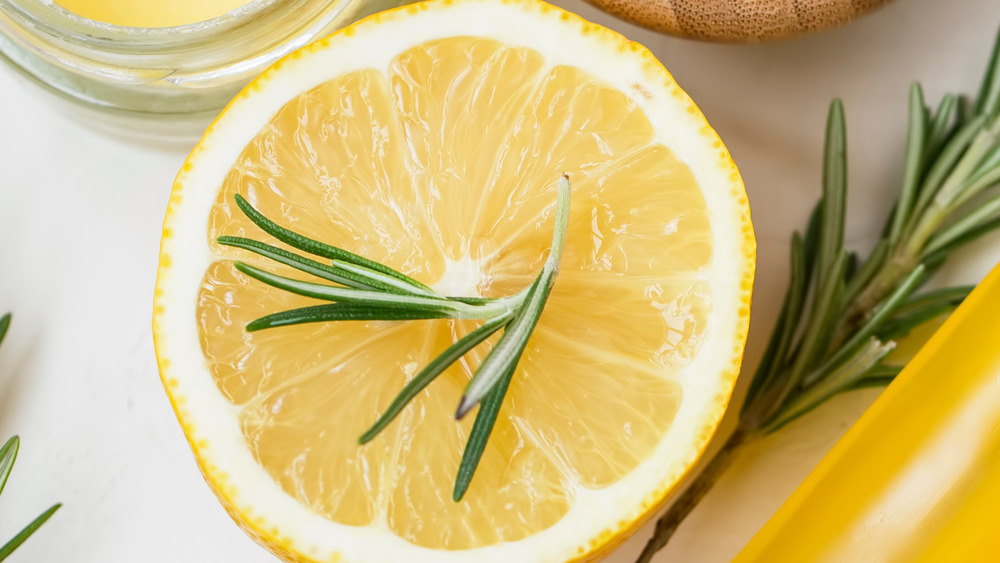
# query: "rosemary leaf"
380,300
936,257
312,246
863,334
8,454
841,378
772,356
988,100
946,161
950,295
508,350
879,376
831,239
787,323
982,214
940,128
826,301
987,166
886,308
486,418
956,158
4,325
368,291
342,294
981,185
850,268
810,242
318,269
394,284
876,261
961,184
919,310
515,337
24,534
429,373
915,149
342,312
563,192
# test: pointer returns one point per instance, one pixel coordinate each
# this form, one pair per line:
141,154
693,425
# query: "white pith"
461,278
211,420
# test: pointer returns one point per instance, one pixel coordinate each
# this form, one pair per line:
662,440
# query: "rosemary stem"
667,525
952,157
892,273
562,224
925,229
454,309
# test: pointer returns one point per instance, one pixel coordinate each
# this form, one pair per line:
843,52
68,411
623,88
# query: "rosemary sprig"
8,454
841,315
366,290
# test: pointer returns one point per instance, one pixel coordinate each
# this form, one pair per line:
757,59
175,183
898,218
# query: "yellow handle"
918,476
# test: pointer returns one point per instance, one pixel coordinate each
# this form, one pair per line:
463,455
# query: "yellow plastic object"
917,479
151,13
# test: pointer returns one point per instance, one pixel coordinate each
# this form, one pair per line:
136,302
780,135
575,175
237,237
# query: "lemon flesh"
444,167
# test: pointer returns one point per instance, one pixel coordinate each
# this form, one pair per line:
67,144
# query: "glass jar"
178,77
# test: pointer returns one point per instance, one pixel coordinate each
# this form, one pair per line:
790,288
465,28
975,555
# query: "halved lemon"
430,138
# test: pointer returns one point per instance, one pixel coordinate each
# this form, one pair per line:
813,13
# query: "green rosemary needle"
841,314
8,454
515,337
366,290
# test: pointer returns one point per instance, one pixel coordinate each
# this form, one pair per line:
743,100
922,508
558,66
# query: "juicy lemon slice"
430,139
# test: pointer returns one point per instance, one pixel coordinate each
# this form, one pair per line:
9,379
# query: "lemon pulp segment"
444,166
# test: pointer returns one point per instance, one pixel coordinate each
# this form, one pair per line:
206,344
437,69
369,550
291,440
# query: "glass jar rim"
184,70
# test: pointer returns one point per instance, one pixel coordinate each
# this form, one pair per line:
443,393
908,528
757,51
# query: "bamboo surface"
738,20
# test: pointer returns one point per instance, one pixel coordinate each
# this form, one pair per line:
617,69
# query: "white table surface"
80,215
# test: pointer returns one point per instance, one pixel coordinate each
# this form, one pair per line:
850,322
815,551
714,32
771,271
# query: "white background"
80,215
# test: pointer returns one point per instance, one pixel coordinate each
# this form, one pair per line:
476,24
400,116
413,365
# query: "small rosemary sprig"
8,454
368,291
841,314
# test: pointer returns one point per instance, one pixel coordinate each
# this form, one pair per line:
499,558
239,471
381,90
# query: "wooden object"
738,20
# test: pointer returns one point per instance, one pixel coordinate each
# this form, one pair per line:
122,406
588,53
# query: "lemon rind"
595,524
